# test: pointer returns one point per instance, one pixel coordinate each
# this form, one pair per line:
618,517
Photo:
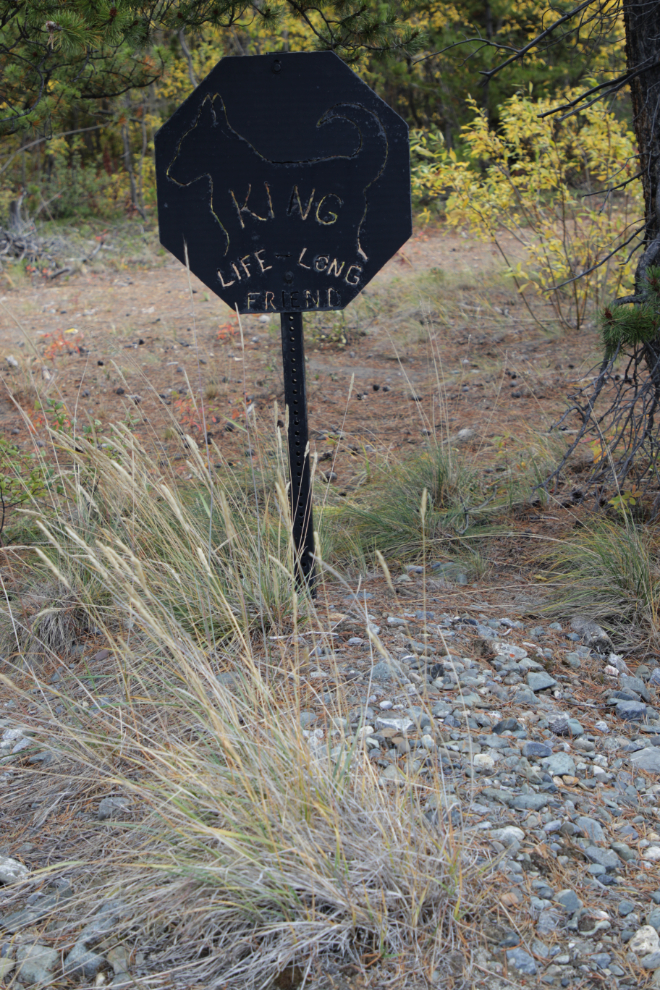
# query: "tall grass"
609,571
253,847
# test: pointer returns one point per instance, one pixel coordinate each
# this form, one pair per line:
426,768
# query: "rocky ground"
548,745
543,736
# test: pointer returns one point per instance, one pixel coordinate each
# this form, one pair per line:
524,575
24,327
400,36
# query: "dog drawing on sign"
246,188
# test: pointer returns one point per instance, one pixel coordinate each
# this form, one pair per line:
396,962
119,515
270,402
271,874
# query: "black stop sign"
287,178
285,183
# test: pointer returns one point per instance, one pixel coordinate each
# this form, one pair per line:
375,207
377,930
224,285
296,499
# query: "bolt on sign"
285,182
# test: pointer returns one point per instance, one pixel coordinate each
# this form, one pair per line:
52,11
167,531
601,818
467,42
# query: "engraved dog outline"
205,159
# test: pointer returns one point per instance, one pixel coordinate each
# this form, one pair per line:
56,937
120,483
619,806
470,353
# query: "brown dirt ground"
461,341
439,321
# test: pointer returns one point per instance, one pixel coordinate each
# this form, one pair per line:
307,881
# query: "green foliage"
548,185
464,40
633,324
610,573
23,479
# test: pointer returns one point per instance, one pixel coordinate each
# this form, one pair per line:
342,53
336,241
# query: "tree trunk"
642,24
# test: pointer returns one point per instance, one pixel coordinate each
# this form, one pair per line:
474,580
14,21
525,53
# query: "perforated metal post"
295,397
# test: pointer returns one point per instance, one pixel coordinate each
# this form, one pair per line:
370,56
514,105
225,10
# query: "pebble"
400,724
36,963
569,900
522,961
540,681
631,711
559,764
644,941
603,857
113,807
508,835
82,962
647,759
386,670
6,966
536,750
591,828
11,870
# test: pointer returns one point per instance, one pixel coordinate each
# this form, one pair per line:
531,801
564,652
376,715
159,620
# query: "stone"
507,835
591,634
400,724
575,728
6,966
118,959
306,718
113,807
525,696
631,711
623,851
385,670
644,941
559,764
590,828
614,697
529,802
507,725
493,741
651,854
508,651
600,960
536,750
625,908
521,960
647,759
603,857
573,660
548,922
393,775
651,961
539,680
36,963
654,919
81,961
569,900
636,685
103,922
441,709
483,761
11,870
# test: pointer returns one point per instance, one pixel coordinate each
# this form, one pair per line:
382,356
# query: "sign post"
286,180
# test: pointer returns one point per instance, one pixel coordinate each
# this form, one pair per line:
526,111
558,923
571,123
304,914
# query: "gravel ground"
548,742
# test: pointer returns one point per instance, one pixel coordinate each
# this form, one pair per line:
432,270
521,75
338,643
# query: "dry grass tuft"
45,621
253,848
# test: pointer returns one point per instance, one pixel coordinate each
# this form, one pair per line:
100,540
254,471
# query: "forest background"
79,119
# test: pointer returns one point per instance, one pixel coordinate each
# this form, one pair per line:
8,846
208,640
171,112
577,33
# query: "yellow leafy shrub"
552,185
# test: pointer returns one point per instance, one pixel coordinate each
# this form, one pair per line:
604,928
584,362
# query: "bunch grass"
252,847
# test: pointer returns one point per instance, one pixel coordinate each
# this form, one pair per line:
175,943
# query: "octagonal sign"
286,179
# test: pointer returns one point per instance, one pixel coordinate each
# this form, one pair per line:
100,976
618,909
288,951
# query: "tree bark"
642,25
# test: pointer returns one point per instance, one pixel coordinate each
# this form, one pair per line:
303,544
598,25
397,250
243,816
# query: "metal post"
295,398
